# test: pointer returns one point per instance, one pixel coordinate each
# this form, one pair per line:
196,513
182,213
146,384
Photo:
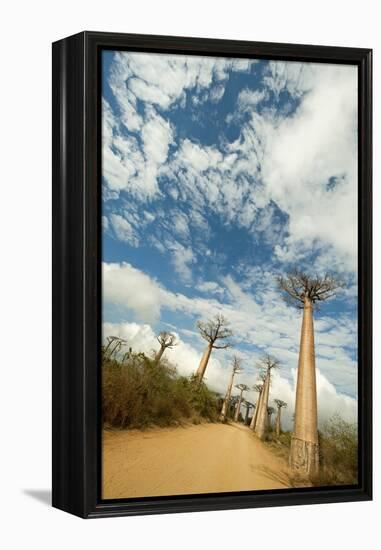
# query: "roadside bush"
338,453
137,393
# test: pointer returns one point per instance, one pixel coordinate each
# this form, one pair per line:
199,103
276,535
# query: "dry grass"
137,393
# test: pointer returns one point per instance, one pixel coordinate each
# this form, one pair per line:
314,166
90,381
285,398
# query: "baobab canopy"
216,330
298,286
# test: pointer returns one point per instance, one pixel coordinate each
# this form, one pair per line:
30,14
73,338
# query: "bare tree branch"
242,387
266,364
166,340
298,286
214,330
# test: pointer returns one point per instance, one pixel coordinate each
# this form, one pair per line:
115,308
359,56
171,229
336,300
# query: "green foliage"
338,453
137,393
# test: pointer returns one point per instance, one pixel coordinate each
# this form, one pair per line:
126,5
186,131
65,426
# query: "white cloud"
297,78
217,92
124,230
129,166
210,287
305,163
181,257
250,98
156,135
105,223
162,79
131,290
302,153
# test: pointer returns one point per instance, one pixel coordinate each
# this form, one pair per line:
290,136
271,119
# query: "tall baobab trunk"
238,408
204,362
304,452
277,422
261,424
225,405
247,415
255,414
159,355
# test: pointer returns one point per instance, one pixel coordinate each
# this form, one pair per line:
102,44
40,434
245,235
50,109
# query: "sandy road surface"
184,460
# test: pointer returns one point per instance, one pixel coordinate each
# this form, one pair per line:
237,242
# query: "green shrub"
338,443
137,393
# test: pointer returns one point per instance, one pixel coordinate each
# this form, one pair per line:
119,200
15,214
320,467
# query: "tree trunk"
255,413
247,416
204,363
304,452
237,411
225,405
261,424
277,422
159,355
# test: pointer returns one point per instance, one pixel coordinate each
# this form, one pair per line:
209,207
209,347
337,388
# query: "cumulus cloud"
123,229
310,165
120,283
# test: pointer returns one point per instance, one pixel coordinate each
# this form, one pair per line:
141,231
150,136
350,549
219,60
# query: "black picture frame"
76,273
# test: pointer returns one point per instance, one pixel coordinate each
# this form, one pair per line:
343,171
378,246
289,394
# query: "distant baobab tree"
248,406
236,369
270,412
267,364
280,405
241,388
232,405
257,388
217,334
304,291
167,340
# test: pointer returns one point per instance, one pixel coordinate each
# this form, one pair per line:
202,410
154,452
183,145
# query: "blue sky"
219,174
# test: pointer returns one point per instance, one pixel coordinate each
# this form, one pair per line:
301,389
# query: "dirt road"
195,459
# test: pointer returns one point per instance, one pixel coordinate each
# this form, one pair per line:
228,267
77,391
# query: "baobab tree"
232,405
280,405
270,412
241,388
236,369
167,340
217,334
248,406
267,364
257,388
304,291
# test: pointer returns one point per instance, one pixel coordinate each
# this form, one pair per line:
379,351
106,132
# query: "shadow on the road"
283,477
42,495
